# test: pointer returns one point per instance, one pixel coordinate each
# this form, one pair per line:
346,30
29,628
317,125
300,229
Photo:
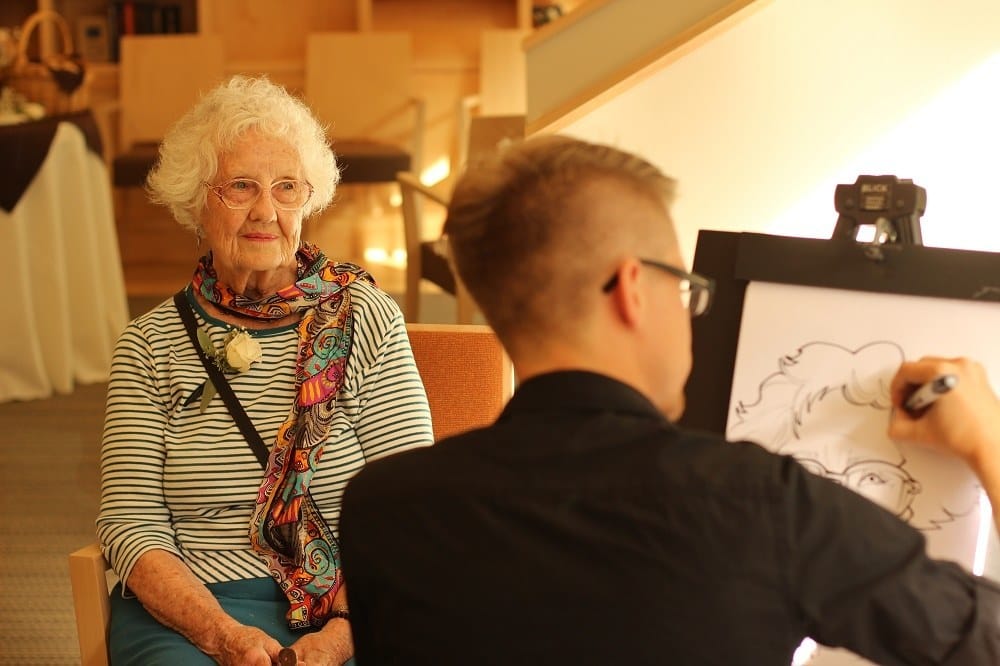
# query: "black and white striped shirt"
186,482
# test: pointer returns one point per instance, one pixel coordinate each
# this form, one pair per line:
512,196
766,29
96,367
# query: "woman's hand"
168,589
331,646
249,646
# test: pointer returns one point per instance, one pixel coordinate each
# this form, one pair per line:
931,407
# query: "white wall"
760,124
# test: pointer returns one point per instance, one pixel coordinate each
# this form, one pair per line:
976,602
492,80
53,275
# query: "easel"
894,262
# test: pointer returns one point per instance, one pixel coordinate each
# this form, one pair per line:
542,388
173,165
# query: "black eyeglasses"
696,290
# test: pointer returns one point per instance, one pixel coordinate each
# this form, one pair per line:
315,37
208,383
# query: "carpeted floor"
49,462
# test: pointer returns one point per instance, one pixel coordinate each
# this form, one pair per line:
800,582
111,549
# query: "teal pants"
136,638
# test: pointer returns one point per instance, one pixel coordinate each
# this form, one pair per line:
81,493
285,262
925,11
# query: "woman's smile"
260,236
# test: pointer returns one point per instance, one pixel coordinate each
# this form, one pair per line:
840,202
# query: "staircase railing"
603,45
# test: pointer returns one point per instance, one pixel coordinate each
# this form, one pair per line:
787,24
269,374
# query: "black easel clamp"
893,206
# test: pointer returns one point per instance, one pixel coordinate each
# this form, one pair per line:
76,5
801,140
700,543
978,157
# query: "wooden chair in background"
426,253
503,88
161,77
502,94
468,379
360,84
489,133
481,134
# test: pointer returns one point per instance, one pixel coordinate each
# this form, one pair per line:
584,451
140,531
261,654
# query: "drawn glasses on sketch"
882,482
696,290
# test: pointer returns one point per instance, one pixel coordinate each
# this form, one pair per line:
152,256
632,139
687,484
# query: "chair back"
413,196
482,135
359,84
466,373
487,134
161,77
502,78
426,254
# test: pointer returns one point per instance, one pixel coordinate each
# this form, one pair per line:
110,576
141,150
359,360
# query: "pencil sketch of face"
841,440
828,406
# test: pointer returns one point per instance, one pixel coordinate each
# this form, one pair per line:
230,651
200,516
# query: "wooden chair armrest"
88,577
467,107
409,180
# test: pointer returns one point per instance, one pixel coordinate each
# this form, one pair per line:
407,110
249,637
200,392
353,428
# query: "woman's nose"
263,209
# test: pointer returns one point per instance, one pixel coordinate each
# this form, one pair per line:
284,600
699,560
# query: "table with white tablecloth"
64,297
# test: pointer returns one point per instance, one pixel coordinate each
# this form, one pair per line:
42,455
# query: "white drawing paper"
811,380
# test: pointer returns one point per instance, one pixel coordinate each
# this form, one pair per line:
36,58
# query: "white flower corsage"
239,351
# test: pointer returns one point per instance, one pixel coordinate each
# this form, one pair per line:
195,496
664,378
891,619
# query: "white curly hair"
189,153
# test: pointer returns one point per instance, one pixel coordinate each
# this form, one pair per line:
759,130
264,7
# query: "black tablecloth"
23,148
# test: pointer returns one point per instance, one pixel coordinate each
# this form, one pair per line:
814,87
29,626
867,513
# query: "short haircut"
189,154
522,237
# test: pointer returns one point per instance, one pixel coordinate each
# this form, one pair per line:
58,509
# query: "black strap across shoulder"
221,383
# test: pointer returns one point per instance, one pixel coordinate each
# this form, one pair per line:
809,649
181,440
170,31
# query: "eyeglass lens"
694,297
244,193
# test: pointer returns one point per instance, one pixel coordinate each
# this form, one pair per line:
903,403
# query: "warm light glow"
949,147
436,172
396,258
395,199
983,539
866,233
376,255
804,653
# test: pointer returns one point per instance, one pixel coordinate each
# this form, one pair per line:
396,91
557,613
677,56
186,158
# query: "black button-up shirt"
583,528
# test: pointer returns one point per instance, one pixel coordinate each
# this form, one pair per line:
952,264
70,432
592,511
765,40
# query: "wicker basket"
60,82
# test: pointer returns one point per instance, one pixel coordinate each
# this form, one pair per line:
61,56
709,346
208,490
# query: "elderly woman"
222,527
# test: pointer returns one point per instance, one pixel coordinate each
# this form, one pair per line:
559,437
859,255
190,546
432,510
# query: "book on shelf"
138,17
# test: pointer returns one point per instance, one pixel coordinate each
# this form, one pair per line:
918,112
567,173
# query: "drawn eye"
871,479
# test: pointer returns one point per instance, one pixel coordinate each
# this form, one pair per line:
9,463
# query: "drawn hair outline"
803,380
817,369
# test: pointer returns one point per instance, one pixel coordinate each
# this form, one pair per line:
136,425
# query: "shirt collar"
579,390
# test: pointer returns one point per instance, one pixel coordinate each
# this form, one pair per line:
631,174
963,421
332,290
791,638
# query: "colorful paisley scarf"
287,530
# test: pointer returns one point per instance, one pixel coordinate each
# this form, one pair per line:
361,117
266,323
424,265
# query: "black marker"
925,396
